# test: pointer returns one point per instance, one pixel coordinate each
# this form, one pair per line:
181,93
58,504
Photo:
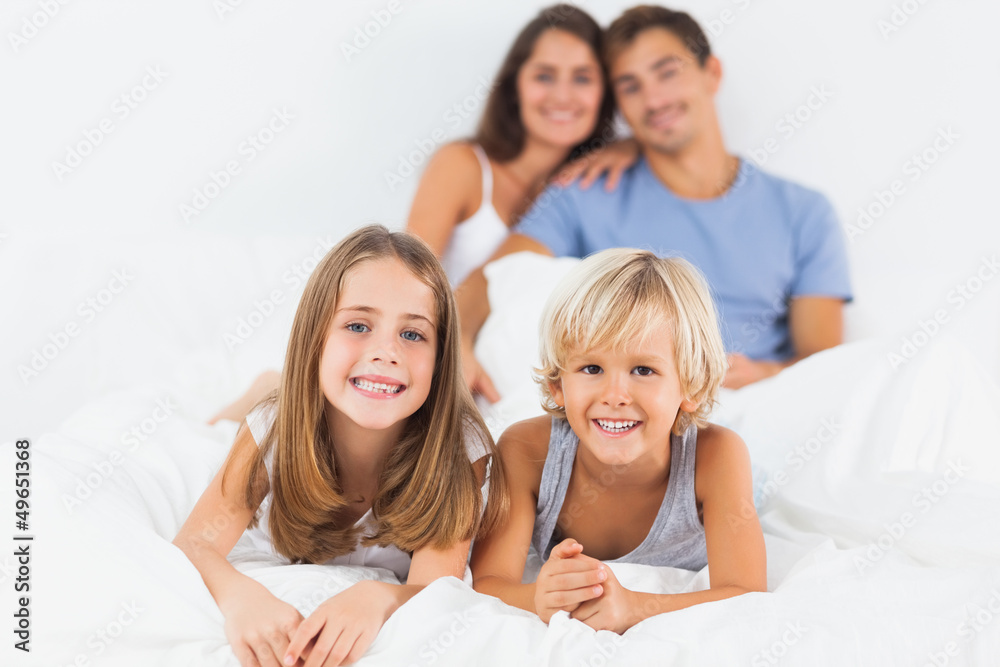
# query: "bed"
879,495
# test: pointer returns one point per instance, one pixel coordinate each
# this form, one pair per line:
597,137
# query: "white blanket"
881,519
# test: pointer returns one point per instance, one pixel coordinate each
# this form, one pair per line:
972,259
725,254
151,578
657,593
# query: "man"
772,251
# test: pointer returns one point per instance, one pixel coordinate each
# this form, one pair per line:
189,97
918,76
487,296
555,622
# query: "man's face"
666,97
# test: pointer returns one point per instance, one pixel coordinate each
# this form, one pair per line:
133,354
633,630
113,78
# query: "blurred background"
170,171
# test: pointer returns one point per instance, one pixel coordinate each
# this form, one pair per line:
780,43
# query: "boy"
624,468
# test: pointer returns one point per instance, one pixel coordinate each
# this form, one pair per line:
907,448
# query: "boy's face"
666,97
622,406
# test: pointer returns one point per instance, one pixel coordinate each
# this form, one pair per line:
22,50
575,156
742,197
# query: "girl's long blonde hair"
428,493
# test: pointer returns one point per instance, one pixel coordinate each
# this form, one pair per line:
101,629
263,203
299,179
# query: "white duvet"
881,513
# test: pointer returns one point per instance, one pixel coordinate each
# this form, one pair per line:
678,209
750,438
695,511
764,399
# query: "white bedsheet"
862,568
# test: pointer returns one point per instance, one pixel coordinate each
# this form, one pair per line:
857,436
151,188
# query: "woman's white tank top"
476,238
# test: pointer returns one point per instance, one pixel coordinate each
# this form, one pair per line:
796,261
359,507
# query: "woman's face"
560,90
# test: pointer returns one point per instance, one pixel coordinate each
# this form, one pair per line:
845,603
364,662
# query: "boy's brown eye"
591,369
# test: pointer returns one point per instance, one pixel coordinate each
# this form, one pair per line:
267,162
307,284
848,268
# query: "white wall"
222,74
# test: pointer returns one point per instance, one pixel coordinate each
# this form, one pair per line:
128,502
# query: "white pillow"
507,346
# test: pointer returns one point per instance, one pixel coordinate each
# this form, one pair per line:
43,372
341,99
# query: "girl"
624,468
550,104
347,461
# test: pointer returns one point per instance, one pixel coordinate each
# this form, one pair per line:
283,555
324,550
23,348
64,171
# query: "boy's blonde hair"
615,299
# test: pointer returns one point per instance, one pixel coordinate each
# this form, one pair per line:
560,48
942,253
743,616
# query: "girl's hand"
567,579
259,626
342,628
613,160
617,609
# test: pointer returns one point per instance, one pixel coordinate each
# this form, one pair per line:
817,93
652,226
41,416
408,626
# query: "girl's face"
377,364
560,90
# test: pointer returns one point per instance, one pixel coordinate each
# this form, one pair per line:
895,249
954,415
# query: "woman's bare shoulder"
459,159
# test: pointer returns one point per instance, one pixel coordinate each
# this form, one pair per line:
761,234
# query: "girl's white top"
391,558
476,238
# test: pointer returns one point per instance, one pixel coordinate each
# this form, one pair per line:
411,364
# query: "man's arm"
820,287
474,307
815,323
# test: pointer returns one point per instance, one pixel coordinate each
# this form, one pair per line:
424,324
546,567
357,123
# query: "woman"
550,104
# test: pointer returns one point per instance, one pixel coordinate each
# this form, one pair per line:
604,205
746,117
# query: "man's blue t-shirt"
762,242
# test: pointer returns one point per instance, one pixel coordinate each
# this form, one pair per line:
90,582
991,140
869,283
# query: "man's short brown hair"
623,31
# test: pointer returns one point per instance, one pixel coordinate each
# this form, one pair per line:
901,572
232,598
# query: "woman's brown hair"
501,132
428,493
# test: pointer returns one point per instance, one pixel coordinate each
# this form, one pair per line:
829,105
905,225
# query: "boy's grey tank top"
677,538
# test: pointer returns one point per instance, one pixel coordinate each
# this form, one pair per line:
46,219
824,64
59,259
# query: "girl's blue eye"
544,77
357,327
643,370
411,336
592,369
584,79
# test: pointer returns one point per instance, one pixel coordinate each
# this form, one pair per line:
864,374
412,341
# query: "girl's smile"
378,386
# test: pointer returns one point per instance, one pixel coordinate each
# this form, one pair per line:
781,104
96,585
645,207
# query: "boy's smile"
617,427
623,404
